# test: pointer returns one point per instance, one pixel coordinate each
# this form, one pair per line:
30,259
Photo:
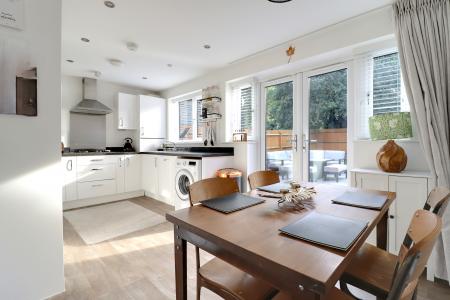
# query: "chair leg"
199,287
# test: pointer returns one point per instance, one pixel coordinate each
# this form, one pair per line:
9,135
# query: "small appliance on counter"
128,146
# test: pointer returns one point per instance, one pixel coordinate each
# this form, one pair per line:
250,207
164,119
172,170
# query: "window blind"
185,120
246,113
386,84
200,126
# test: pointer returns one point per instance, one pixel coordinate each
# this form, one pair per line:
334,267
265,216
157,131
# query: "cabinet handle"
121,122
391,217
142,131
96,169
128,161
69,165
97,159
97,185
120,162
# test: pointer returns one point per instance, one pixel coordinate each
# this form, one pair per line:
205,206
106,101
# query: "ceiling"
175,31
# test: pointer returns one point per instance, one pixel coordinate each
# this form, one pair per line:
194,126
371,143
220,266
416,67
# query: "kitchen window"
241,109
184,113
379,88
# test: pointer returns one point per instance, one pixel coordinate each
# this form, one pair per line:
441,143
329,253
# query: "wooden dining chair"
437,200
216,275
262,178
383,274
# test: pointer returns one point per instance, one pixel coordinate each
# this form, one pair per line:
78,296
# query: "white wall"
107,94
31,248
335,42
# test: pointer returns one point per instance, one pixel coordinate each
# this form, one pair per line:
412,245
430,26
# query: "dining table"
250,240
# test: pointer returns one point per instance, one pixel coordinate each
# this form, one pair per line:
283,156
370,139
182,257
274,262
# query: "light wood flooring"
140,265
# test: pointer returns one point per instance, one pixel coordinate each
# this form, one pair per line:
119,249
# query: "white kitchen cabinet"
127,111
132,164
152,117
411,190
69,167
149,175
411,195
120,173
166,178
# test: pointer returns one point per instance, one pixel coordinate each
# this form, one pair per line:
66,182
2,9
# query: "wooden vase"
392,158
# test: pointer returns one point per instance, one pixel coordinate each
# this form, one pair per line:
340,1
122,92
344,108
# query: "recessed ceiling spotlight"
144,77
86,40
132,46
170,65
70,61
279,1
206,46
109,4
115,62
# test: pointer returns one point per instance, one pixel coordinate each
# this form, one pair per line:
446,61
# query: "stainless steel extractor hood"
89,105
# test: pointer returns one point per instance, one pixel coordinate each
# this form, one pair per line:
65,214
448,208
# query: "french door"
304,126
280,129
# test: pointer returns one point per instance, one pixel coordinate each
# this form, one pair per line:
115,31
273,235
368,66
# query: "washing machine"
187,172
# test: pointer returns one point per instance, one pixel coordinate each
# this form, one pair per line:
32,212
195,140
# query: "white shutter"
363,94
386,84
185,120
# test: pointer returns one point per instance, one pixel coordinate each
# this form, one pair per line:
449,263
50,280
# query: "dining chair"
216,275
438,200
383,274
262,178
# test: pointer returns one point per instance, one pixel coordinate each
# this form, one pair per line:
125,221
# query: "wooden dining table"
250,240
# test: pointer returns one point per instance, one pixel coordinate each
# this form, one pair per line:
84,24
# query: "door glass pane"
279,126
328,127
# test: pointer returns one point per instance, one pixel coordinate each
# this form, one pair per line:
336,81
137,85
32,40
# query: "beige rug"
104,222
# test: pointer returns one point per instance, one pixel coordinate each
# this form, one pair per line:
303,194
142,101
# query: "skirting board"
100,200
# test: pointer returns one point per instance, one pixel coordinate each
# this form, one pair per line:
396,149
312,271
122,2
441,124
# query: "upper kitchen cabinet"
128,111
152,117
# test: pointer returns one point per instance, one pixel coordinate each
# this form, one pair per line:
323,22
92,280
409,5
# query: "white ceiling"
174,32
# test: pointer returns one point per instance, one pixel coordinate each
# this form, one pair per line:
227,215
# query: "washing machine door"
183,180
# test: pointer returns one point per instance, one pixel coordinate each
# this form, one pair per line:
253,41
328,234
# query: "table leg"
180,266
382,232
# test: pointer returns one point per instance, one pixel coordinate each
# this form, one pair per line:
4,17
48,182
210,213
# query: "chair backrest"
437,200
262,178
211,188
422,233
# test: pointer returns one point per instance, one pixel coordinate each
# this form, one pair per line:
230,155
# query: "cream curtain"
423,36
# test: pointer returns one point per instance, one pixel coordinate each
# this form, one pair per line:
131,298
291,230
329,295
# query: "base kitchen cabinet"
149,175
132,163
411,190
69,167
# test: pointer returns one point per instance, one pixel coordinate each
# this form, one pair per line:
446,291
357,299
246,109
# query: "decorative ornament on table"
298,197
290,52
391,157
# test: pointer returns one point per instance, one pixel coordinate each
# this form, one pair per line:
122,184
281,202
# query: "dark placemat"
362,199
335,232
274,188
231,203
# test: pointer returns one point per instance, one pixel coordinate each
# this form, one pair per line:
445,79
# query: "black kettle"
128,147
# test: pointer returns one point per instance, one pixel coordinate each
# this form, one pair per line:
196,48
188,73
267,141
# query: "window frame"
174,117
233,108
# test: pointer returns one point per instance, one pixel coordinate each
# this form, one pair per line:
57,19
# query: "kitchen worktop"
188,153
95,153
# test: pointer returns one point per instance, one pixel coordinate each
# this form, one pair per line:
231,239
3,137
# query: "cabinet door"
411,195
152,117
69,166
166,178
149,175
127,111
372,182
132,173
120,173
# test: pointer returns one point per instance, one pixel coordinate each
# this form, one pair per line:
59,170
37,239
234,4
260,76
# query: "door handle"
294,142
307,141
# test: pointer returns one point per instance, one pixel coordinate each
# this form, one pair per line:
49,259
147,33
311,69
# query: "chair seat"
227,277
335,294
371,270
335,168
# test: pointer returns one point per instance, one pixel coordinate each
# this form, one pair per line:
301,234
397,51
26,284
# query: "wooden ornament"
392,158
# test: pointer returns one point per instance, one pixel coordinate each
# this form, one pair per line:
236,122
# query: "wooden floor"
140,265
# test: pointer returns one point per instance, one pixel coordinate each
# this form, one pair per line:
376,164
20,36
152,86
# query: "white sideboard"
411,188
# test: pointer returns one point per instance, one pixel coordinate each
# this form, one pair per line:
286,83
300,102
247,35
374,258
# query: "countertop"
95,153
188,153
